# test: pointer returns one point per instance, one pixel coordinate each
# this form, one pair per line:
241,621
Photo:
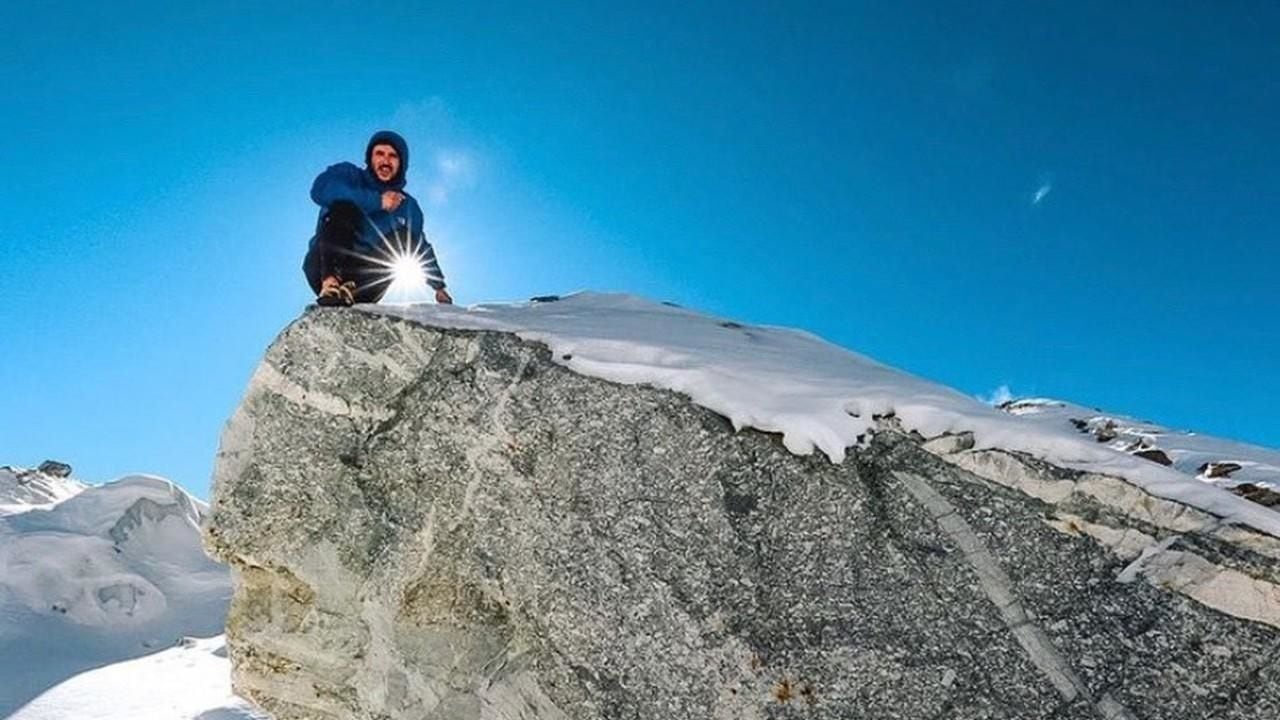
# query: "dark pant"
334,253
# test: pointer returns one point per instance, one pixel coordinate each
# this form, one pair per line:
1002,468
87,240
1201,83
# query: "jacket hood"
387,137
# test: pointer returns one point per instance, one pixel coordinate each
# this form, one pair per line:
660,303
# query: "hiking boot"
334,292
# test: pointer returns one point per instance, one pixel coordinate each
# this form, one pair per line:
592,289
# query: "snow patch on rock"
814,394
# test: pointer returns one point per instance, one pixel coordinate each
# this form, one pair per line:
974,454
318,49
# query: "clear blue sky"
862,171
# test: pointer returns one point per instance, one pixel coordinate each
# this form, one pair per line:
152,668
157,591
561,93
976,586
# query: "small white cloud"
443,161
452,164
451,170
1040,193
999,396
1044,187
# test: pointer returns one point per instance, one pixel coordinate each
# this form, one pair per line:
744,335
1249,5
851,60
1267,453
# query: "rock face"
428,523
54,468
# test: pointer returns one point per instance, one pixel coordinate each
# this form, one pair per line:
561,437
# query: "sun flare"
406,271
408,282
403,265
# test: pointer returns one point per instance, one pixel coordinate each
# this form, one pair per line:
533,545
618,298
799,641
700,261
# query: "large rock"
428,523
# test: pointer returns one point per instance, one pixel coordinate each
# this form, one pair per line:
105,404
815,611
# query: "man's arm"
430,265
343,182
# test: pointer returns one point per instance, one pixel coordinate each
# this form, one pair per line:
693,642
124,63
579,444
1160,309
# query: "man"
367,222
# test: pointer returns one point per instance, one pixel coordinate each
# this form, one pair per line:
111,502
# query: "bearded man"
368,224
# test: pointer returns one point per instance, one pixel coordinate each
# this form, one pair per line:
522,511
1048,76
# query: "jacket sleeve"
430,266
343,182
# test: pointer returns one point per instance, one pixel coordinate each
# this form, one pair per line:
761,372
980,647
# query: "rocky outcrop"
1212,470
430,523
1261,495
53,468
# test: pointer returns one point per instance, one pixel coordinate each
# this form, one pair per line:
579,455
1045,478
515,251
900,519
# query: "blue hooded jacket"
360,186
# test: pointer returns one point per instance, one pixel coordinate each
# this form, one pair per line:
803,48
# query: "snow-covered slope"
94,575
22,489
1207,459
190,681
815,394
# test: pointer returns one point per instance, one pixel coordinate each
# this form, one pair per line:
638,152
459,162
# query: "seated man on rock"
368,228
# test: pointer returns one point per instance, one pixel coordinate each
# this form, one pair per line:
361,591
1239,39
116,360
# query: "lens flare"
402,263
406,270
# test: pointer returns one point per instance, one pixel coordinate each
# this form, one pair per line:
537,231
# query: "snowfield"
23,489
93,575
191,681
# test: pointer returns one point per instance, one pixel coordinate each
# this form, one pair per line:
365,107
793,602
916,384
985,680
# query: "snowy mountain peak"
95,574
23,488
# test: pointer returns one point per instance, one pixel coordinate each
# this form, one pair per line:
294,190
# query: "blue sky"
862,171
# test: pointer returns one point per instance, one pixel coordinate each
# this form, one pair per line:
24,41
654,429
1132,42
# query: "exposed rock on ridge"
21,488
429,523
1235,466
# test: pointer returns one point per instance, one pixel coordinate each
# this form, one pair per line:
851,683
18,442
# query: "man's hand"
443,297
391,200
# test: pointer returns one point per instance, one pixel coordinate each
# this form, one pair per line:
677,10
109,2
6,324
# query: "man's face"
385,162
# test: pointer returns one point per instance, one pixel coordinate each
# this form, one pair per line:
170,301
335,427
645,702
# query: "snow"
816,395
93,575
1189,451
191,681
22,490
